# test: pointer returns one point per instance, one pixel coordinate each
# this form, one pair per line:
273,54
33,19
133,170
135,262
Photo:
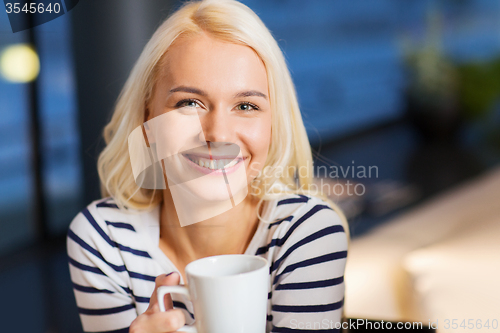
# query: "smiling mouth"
213,163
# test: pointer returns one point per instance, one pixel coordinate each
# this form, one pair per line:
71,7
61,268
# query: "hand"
155,321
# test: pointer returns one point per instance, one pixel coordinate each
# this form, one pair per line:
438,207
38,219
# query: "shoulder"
97,221
303,218
95,215
103,236
306,209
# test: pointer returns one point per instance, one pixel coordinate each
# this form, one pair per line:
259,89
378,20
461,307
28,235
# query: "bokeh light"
19,63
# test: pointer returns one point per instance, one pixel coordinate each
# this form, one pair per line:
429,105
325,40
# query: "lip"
215,172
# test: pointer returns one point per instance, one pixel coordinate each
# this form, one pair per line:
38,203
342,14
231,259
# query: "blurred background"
407,89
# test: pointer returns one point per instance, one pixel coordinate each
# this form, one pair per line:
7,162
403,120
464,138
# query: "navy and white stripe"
114,259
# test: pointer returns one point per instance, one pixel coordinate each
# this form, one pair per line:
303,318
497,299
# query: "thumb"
171,279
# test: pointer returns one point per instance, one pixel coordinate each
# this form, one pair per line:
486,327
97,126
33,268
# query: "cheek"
257,139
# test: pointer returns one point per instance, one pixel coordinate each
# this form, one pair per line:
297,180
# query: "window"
59,137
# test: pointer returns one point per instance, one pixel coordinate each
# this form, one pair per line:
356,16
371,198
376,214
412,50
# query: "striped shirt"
114,259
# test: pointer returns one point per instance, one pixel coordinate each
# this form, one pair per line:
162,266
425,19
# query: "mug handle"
162,291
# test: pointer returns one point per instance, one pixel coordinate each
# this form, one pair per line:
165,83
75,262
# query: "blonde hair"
231,21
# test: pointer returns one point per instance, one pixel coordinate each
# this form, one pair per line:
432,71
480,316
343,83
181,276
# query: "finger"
168,321
171,279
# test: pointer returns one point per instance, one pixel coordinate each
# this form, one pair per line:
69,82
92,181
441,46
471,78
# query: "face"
216,94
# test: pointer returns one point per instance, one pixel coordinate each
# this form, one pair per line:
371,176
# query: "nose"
216,125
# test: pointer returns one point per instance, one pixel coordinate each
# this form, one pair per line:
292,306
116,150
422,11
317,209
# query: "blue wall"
346,58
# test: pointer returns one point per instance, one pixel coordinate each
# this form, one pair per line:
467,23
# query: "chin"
216,193
208,189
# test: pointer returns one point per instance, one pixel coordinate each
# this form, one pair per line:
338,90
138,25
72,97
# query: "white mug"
228,292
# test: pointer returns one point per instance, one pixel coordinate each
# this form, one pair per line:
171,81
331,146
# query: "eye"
248,107
185,102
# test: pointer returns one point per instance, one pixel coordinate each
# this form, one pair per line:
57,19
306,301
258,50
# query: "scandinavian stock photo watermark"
331,180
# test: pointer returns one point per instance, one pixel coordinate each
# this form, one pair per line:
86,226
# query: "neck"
226,233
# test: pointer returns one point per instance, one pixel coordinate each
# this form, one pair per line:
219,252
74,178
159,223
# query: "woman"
216,58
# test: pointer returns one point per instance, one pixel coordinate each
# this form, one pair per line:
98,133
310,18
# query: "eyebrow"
203,93
189,90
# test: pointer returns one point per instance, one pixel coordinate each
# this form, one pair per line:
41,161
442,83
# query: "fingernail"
169,273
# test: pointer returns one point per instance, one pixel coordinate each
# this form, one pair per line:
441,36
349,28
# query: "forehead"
213,65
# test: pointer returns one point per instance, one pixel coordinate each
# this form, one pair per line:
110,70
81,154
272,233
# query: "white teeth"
214,164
